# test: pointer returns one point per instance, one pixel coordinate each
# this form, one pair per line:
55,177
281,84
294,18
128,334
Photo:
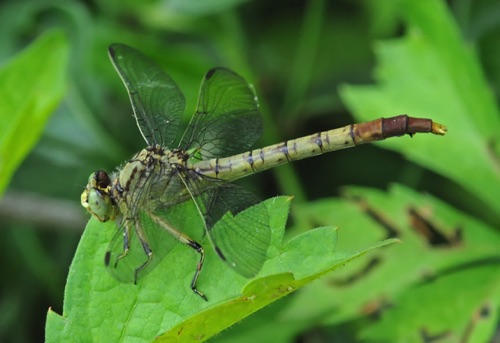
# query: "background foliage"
316,65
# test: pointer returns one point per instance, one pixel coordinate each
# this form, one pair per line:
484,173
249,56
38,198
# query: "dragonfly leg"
126,247
190,243
199,249
145,247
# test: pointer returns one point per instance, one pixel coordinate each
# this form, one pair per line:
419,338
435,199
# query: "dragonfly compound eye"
99,204
96,198
100,180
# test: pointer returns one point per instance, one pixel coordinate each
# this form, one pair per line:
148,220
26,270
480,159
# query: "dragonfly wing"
240,239
157,101
227,120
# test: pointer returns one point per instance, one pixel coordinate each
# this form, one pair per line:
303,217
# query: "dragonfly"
146,196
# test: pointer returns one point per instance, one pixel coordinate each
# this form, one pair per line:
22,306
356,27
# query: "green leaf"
440,247
439,308
162,304
431,72
31,85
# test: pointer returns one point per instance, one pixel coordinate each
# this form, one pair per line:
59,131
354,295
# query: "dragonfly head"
96,198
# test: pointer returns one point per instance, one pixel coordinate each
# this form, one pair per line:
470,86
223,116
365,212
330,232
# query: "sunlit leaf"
431,72
163,303
31,85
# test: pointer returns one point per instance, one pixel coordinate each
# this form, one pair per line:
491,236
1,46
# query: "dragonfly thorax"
144,182
148,180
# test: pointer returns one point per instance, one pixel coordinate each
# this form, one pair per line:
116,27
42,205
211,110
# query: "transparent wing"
227,120
240,239
156,99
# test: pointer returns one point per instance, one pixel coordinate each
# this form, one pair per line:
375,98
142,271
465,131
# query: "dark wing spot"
210,73
221,255
112,52
107,258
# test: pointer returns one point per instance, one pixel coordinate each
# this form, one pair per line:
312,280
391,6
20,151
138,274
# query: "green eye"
98,204
96,198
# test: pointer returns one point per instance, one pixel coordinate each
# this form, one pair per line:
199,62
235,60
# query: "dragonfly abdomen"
234,167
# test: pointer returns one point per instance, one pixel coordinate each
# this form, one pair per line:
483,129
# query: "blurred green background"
76,118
